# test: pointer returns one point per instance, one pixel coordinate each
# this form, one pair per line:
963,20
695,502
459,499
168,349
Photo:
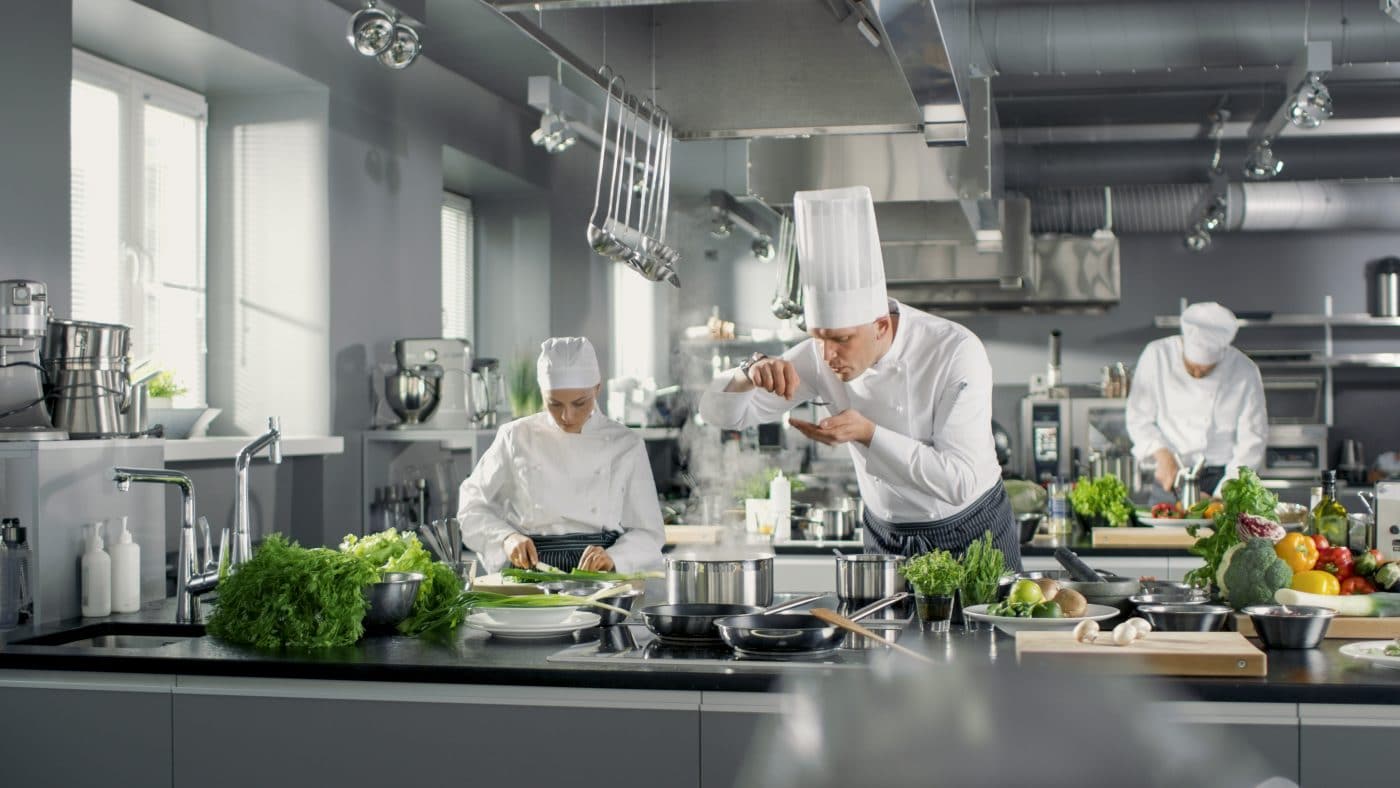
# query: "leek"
1361,605
533,576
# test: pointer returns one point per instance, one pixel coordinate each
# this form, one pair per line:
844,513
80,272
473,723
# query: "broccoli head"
1250,573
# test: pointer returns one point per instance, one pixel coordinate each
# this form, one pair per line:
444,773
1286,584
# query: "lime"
1047,610
1026,591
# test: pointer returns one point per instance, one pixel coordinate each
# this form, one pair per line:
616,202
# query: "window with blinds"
138,215
457,267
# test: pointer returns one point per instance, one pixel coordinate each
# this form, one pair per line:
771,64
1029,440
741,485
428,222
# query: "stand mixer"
24,316
431,387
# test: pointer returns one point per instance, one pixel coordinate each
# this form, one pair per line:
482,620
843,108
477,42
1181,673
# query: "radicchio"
1251,526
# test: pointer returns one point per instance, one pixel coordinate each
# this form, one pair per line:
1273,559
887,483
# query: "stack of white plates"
513,630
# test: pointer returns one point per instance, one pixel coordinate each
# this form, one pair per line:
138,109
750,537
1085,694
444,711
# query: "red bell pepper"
1357,585
1336,561
1321,542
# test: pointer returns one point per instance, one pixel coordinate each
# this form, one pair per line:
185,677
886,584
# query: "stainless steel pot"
88,388
863,577
831,524
694,578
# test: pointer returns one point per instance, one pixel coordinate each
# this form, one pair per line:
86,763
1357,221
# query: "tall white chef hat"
838,248
1207,329
567,363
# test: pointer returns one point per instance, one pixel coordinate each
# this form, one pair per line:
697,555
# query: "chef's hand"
846,426
596,559
521,550
770,374
1166,469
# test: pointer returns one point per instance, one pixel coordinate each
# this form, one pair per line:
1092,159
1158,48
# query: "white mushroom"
1086,631
1124,633
1143,625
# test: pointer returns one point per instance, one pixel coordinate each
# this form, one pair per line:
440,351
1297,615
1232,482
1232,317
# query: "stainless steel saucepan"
694,623
706,579
790,635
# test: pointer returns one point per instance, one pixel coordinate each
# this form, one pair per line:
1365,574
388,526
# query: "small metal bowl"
1171,587
574,587
1186,618
1029,523
391,599
1294,626
1183,597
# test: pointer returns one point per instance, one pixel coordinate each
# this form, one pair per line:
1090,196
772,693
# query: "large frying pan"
694,623
790,635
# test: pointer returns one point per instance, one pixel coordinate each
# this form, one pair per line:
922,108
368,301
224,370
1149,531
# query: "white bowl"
183,422
1013,624
530,616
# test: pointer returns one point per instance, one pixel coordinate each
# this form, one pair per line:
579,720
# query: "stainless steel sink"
113,634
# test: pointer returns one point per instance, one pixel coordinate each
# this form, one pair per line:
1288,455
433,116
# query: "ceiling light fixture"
1197,240
382,34
404,49
1262,164
1311,105
555,134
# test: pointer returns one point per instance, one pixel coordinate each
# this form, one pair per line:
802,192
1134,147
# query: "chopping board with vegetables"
1157,653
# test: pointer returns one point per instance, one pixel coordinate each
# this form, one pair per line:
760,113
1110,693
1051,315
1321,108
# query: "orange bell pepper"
1298,551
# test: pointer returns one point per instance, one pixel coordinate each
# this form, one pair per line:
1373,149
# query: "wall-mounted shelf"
451,440
1349,320
1366,360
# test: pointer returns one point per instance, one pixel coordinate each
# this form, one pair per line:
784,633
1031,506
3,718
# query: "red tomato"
1357,585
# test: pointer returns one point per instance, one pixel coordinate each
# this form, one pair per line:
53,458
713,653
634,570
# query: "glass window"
457,266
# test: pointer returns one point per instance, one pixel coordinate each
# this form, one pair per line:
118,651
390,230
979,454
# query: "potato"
1072,602
1048,587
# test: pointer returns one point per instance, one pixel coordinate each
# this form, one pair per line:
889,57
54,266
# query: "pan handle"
875,607
798,602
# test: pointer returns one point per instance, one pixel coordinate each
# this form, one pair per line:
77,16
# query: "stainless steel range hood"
770,68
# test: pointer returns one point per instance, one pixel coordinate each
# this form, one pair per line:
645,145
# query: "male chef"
1195,397
909,393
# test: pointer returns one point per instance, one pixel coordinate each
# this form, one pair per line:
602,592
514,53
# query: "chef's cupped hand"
521,551
596,559
844,427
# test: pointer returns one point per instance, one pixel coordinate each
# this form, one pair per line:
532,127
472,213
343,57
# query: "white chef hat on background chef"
838,249
567,363
1207,329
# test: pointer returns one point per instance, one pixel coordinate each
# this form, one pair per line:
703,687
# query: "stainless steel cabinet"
731,726
1347,744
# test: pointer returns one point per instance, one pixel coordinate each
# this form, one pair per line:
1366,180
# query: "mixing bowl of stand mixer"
412,394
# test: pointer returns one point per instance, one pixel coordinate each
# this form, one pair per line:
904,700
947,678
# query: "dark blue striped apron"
563,552
991,512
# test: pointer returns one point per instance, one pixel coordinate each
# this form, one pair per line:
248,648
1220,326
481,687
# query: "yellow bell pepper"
1298,551
1315,581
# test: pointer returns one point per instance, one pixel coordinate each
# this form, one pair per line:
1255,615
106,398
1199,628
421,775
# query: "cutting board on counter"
694,534
1154,536
1341,628
1157,654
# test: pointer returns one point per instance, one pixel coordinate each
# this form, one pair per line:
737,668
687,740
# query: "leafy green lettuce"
1105,497
391,551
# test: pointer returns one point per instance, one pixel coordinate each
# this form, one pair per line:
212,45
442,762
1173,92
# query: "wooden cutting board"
1342,627
1159,653
1157,536
694,534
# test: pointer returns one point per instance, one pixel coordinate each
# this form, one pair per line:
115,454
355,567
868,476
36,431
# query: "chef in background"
910,394
1196,396
567,487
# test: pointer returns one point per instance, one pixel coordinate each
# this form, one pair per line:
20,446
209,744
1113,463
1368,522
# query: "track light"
555,134
763,249
1197,240
1262,164
720,226
1312,104
377,33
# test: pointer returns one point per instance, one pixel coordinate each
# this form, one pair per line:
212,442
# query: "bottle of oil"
1329,517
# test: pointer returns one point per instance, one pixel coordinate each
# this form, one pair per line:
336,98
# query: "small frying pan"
790,635
694,623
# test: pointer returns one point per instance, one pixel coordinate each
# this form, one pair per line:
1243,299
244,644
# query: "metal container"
1292,626
693,578
830,524
86,365
391,599
81,343
626,601
24,308
1388,287
1187,617
412,395
865,577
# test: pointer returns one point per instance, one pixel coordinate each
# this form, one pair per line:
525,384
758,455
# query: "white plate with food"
578,620
1013,624
1373,651
1174,522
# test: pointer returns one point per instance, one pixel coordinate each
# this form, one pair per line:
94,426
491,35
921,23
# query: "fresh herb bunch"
1105,497
1242,495
983,565
287,595
391,551
525,397
935,573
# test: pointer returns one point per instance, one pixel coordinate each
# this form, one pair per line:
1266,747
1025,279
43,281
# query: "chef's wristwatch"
749,362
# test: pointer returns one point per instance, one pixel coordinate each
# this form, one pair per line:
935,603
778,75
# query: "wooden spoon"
832,617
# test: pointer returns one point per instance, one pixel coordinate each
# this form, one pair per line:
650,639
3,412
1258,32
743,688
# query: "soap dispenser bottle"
97,575
126,573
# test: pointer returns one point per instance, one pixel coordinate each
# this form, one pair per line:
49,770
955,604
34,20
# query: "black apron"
991,512
1206,483
563,552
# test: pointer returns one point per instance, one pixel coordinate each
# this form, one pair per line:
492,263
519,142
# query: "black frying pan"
791,634
694,623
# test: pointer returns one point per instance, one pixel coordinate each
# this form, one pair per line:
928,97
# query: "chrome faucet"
272,439
192,576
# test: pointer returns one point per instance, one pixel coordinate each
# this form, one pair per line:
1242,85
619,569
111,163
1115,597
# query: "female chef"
568,487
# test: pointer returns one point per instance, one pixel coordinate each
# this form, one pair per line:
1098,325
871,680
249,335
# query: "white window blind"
457,267
138,214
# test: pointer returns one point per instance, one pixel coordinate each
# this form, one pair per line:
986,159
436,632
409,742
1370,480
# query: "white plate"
1174,522
530,617
1013,624
1372,651
579,620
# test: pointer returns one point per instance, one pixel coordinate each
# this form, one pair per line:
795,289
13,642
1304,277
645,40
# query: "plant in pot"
162,390
525,397
935,577
983,564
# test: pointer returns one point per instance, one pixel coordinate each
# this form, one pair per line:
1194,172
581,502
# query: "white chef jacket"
538,480
930,397
1220,416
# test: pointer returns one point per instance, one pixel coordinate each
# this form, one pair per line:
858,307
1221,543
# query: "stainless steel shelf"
1351,320
1366,360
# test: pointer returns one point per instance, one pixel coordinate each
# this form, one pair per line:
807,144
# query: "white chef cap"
567,363
838,248
1207,329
